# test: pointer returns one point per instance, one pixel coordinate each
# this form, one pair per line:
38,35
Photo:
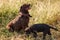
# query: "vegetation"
42,11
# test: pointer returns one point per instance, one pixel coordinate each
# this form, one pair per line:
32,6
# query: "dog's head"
25,7
27,31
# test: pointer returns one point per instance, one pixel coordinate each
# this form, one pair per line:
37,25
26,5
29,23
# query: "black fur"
40,28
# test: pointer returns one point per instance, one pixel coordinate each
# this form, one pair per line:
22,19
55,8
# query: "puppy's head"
27,31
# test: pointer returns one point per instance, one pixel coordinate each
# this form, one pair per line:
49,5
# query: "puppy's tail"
54,28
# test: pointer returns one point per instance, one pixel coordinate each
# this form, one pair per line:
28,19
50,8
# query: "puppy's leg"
50,37
44,35
34,34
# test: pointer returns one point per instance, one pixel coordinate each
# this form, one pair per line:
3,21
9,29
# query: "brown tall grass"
42,11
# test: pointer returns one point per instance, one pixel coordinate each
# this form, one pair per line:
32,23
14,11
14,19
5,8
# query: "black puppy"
40,28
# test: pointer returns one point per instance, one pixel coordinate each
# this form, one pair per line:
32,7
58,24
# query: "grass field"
42,11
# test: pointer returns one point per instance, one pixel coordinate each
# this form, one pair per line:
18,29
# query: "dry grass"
42,11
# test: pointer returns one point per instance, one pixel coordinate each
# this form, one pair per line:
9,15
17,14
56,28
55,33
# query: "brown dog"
21,21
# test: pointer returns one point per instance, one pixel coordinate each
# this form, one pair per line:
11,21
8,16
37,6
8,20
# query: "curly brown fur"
21,21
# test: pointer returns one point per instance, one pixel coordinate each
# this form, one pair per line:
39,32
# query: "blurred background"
42,11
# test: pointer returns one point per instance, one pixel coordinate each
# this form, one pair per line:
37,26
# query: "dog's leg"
44,35
11,29
50,37
34,34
